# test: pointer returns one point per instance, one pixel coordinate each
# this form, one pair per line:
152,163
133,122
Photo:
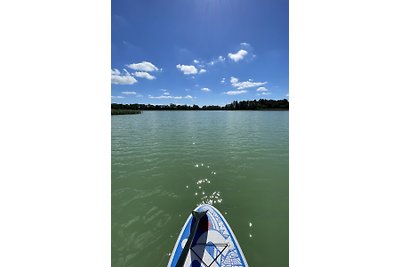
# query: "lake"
165,163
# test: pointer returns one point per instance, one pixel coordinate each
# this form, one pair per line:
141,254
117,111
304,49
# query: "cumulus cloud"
239,55
195,61
143,66
242,85
236,92
118,78
171,97
129,93
187,69
205,89
142,74
262,89
202,71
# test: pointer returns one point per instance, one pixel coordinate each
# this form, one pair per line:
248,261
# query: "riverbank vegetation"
261,104
124,111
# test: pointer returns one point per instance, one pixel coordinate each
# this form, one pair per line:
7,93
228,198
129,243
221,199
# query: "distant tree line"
261,104
124,111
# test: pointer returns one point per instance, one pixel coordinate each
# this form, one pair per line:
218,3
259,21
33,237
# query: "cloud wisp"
243,85
170,97
262,89
122,79
235,92
143,66
205,89
129,93
265,93
219,59
143,74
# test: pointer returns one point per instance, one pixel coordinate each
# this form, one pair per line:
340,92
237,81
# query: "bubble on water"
203,193
187,186
213,173
197,165
195,193
250,224
202,164
193,143
208,167
250,235
199,187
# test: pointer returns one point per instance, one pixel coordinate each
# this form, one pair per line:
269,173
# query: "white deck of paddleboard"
217,247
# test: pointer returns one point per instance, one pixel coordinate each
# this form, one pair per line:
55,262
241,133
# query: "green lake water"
240,159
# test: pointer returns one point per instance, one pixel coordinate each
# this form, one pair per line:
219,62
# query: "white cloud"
238,55
143,66
166,93
205,89
202,71
223,80
164,90
220,59
171,97
187,69
236,92
118,97
262,89
115,72
117,78
244,44
265,93
242,85
142,74
129,93
195,61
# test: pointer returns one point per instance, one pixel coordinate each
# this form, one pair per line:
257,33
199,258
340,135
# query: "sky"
203,52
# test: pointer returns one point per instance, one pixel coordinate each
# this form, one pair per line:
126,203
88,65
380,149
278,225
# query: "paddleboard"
206,240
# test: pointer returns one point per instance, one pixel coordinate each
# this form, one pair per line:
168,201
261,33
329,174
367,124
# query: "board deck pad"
214,244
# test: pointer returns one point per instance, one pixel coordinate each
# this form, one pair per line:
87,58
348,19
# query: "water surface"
164,163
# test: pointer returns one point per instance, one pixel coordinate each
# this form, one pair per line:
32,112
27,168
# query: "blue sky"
204,52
